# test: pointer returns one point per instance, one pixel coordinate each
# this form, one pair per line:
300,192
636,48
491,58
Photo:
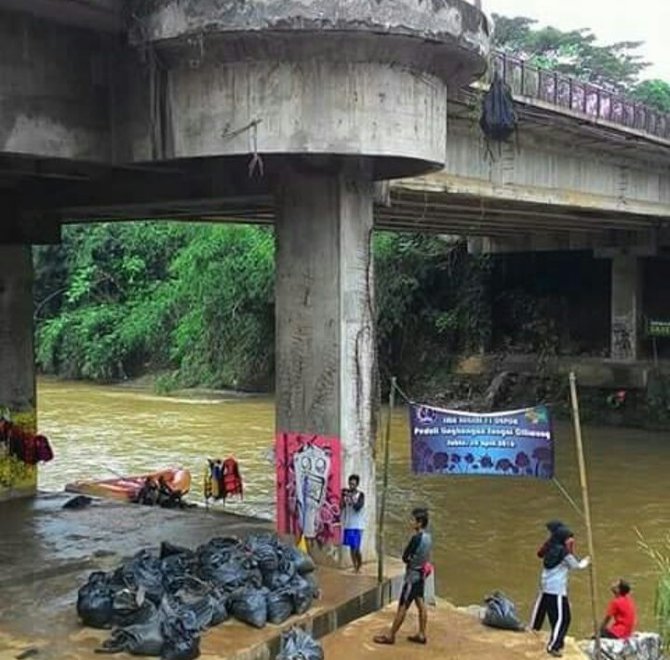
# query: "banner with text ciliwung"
518,443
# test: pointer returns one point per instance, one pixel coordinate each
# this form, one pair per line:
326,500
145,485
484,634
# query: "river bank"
486,531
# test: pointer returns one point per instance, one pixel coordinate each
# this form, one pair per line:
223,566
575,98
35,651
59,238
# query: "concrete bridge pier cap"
329,95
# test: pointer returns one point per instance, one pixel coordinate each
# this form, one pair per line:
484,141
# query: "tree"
654,93
575,53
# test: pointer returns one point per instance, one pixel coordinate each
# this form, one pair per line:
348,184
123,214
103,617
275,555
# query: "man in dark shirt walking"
417,568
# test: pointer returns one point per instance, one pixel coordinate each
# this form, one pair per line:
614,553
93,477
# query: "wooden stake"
587,509
381,550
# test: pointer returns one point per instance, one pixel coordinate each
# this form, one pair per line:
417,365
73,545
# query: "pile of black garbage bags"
158,603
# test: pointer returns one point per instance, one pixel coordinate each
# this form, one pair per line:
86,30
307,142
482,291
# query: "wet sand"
453,635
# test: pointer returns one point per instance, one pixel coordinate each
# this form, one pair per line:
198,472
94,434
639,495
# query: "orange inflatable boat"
127,488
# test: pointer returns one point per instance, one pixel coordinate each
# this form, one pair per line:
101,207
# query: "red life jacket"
231,480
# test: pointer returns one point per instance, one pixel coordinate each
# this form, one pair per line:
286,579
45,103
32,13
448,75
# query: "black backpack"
498,120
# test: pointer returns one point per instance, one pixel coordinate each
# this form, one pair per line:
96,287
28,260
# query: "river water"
486,530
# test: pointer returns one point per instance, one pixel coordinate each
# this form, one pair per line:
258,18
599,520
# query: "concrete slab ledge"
325,622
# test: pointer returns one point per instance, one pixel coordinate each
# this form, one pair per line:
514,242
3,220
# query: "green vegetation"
195,303
576,53
655,93
660,557
118,300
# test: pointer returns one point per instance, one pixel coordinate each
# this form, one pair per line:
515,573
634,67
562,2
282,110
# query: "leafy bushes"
196,303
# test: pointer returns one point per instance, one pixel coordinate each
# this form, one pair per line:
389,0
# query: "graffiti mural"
622,338
308,486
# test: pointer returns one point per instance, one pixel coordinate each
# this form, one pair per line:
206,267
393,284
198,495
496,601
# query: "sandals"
417,639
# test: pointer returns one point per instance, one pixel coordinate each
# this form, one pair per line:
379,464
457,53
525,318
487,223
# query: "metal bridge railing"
581,97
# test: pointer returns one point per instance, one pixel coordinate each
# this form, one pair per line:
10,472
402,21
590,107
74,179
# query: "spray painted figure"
312,469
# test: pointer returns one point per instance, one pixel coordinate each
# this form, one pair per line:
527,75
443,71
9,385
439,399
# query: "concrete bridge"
294,113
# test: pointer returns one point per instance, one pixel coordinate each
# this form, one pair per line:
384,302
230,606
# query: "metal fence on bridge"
584,98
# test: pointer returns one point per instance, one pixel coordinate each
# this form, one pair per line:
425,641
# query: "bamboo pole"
587,509
381,550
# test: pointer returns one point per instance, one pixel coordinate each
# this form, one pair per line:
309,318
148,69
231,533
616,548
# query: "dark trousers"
557,608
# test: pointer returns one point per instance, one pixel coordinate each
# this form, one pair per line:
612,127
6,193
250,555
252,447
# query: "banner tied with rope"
517,443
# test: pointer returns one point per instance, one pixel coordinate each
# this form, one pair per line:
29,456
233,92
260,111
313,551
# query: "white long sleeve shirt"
555,580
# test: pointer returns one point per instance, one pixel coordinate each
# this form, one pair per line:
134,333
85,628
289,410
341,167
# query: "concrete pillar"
17,364
326,351
626,307
316,100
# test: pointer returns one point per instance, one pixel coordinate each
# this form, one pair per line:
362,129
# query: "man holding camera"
353,520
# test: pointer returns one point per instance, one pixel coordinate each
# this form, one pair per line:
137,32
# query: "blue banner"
507,444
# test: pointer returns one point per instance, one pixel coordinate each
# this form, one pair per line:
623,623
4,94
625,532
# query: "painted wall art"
308,483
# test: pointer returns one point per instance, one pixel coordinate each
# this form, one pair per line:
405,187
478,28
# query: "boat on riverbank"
127,488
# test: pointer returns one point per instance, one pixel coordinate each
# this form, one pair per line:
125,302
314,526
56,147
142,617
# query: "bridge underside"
563,183
40,195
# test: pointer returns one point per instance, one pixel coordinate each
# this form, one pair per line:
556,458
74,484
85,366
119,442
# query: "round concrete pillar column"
17,361
321,97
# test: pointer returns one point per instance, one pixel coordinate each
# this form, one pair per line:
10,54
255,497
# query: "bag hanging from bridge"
498,120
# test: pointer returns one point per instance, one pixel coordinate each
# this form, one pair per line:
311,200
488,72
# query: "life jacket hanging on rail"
212,479
231,481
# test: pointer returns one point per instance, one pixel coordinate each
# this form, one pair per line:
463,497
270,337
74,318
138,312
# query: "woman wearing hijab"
558,560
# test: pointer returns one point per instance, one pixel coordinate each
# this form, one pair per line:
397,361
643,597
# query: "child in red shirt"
621,616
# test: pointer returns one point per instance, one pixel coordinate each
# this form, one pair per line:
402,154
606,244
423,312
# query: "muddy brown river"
486,530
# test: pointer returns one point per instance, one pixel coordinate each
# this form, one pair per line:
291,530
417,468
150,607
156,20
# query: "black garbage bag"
498,120
302,593
277,580
207,611
249,605
175,569
280,605
95,601
139,639
180,641
303,562
310,578
217,600
229,574
501,613
169,549
296,644
194,587
144,570
225,545
131,607
266,556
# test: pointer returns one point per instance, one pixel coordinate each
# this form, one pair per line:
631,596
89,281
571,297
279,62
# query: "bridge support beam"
17,365
626,307
326,352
